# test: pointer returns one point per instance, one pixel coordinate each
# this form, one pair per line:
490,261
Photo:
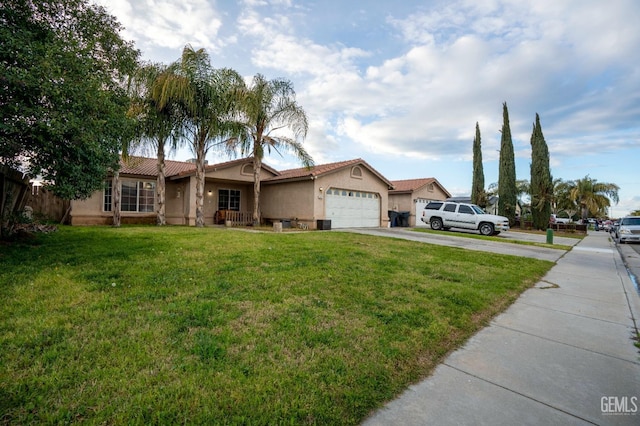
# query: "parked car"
555,219
614,228
445,215
629,229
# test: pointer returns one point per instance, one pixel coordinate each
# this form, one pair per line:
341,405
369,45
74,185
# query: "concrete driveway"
453,239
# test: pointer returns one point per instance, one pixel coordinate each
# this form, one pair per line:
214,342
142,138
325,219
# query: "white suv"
445,215
628,229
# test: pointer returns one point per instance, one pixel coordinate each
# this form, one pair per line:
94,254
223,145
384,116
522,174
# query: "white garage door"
352,209
420,205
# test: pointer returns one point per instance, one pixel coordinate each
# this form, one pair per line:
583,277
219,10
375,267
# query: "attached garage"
347,194
352,209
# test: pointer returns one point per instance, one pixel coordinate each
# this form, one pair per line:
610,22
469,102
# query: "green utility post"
549,236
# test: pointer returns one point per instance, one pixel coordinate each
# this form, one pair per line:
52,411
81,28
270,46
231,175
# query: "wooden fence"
569,227
46,205
14,187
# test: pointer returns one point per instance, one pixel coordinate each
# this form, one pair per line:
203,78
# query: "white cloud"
157,24
454,64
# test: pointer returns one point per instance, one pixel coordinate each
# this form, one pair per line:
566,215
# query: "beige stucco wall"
288,200
238,172
435,194
175,202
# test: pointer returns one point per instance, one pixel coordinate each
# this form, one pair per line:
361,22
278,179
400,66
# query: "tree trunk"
65,217
115,194
200,185
161,187
257,165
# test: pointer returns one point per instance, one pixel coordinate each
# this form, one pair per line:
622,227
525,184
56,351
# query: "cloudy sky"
402,84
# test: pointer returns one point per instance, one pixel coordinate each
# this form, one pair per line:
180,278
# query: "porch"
233,218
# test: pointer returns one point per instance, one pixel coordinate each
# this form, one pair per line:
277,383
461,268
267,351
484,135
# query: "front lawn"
144,325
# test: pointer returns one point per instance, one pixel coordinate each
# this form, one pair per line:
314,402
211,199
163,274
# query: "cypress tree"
507,191
478,194
541,180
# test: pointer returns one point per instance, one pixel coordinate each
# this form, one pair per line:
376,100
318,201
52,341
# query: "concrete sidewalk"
561,354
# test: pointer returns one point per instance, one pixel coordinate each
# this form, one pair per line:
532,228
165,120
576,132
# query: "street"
631,256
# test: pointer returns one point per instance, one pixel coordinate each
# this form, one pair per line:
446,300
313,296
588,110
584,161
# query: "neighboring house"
349,193
412,195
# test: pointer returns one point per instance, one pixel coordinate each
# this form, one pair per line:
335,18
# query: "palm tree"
593,196
156,125
203,97
561,198
266,107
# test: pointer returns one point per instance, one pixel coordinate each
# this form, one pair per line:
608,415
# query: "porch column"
190,202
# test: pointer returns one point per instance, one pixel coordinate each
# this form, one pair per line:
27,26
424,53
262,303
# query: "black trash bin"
286,223
403,219
323,225
393,218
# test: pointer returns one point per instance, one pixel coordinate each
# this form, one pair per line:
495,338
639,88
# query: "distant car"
629,229
555,219
614,228
444,215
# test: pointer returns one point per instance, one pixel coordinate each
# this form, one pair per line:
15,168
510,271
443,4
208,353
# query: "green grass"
145,325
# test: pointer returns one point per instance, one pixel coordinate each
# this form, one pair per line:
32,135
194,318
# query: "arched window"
247,169
356,172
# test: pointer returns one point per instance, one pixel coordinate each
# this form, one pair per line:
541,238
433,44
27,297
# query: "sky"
402,84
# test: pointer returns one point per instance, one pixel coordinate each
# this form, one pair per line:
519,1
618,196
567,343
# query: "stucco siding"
288,200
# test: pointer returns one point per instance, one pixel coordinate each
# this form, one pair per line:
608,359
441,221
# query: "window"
433,206
356,172
108,195
247,169
450,207
137,196
229,199
465,209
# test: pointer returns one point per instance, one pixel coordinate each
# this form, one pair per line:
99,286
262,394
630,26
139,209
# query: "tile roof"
316,170
410,184
238,161
143,166
322,169
148,166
